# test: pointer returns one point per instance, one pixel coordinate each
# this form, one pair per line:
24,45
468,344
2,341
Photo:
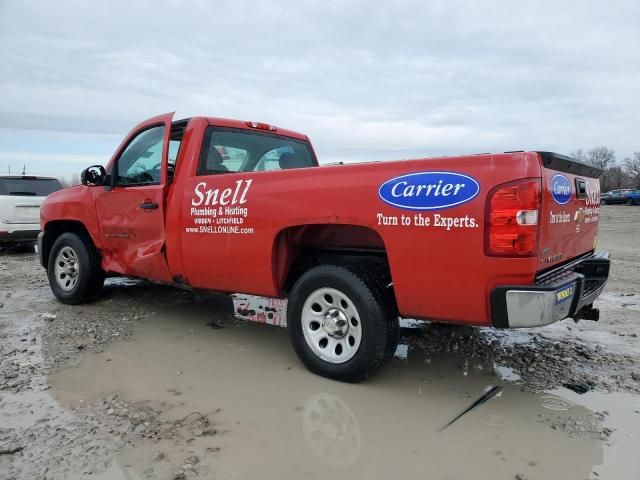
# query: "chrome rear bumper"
567,291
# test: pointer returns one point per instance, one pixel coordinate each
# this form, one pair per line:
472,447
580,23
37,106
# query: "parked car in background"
614,197
20,200
632,197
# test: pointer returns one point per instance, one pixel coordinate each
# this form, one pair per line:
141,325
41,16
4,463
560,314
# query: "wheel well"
56,228
299,248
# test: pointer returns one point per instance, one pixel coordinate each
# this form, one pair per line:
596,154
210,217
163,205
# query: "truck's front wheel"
340,323
74,270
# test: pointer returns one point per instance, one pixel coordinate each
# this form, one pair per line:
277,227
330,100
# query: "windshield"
34,187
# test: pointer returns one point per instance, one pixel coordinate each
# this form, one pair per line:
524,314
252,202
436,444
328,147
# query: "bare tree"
579,155
601,157
632,166
614,177
75,179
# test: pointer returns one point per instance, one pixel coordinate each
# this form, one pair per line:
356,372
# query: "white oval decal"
429,190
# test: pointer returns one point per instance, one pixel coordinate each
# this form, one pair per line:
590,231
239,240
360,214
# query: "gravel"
39,438
541,363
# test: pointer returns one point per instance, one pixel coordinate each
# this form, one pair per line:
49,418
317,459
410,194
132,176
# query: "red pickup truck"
503,239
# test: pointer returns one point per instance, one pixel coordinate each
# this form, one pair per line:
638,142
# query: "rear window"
30,187
237,150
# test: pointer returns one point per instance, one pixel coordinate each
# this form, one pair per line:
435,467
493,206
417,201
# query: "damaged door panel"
131,209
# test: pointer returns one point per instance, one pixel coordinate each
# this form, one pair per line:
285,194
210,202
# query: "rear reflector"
527,217
512,219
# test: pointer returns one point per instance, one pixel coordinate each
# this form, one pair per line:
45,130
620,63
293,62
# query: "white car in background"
20,200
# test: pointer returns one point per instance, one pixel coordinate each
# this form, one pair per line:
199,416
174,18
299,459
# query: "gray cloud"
365,81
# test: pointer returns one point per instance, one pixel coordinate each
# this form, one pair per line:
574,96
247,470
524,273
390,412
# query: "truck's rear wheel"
74,270
340,323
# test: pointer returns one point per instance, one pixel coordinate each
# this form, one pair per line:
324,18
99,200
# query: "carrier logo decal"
429,190
561,189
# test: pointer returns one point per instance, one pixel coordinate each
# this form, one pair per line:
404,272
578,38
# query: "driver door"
131,211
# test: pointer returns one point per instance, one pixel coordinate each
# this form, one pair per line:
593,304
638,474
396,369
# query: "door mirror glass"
93,176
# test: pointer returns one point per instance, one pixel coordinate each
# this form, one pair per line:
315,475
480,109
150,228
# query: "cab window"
175,142
271,159
238,150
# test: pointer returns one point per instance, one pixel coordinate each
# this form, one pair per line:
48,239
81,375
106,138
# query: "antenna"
24,168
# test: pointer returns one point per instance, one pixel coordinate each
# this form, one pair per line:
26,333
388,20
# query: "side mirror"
95,175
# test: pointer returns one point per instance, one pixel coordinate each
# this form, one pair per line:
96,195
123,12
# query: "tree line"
616,174
70,182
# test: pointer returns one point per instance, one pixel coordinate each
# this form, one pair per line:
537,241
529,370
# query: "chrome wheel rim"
331,325
67,269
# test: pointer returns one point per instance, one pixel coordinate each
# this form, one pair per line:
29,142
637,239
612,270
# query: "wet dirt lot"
153,382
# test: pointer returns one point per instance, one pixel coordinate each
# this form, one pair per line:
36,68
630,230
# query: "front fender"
75,204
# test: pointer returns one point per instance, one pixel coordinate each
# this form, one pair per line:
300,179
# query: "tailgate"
28,211
570,208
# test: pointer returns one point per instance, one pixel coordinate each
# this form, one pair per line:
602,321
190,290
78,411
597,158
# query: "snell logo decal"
593,192
561,189
217,196
429,190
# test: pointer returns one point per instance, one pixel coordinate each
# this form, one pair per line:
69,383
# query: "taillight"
512,219
262,126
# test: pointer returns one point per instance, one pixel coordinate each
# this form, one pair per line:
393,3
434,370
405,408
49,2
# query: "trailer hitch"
587,313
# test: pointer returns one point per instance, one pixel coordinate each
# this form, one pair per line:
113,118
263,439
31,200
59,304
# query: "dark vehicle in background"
633,197
20,200
615,197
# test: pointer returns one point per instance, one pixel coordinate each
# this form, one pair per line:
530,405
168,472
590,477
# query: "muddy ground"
152,382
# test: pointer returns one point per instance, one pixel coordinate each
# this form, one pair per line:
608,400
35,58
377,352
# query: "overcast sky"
365,80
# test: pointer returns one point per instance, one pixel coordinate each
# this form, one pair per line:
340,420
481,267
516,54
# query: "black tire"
630,202
379,323
380,281
90,276
603,202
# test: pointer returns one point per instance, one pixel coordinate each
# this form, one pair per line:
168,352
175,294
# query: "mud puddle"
270,418
137,386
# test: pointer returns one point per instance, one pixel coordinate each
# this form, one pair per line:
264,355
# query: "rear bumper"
567,291
20,235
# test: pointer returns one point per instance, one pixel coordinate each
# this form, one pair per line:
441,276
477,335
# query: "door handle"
149,205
